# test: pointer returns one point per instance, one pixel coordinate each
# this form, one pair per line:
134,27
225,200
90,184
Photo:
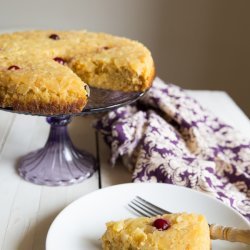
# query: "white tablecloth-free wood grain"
27,210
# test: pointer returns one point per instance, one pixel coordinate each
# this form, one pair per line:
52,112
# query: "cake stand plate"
59,162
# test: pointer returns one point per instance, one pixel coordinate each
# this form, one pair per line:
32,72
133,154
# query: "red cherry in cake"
54,37
13,67
60,60
161,224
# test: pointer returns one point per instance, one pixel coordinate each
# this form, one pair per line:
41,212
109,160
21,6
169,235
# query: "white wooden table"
27,210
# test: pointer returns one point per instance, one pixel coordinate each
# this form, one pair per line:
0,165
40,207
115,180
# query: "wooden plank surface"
27,210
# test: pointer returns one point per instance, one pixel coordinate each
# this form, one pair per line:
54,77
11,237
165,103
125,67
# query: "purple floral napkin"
168,137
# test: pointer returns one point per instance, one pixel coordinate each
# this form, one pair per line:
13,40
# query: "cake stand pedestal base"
59,162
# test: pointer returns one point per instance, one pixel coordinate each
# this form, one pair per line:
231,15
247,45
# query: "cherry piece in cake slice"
161,224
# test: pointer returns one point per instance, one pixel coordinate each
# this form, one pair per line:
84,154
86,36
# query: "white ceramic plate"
81,225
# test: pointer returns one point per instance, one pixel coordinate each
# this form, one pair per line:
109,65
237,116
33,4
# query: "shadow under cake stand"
59,162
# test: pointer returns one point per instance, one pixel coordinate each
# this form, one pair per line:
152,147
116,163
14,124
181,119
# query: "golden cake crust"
186,231
46,71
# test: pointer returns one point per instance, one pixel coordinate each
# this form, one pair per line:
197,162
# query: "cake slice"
41,86
167,232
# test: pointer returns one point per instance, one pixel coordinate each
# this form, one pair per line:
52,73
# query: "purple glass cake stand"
59,162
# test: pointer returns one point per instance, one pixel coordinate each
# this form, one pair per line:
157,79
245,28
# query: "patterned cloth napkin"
168,137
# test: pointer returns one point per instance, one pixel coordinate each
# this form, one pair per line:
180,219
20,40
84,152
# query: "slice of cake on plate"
167,232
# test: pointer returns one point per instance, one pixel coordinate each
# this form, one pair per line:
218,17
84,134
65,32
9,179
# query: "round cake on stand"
45,72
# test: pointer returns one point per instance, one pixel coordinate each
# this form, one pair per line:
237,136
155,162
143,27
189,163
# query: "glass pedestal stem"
59,162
